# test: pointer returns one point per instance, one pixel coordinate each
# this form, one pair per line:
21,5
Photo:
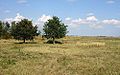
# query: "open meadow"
77,56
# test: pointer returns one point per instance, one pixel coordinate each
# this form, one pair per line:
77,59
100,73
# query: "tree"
23,30
54,28
6,30
1,28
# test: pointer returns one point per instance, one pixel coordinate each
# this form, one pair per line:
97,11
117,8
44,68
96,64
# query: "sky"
83,17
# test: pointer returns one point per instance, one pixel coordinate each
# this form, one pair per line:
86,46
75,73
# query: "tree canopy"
1,28
23,30
4,30
54,28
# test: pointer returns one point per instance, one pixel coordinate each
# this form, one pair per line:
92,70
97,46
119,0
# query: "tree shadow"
51,42
25,43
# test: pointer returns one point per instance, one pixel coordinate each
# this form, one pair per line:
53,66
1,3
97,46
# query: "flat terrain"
77,56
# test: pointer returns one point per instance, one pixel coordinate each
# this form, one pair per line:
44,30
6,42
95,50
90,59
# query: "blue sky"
83,17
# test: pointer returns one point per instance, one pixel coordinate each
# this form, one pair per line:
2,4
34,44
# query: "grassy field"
77,56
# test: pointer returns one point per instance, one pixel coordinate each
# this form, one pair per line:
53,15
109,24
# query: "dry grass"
77,56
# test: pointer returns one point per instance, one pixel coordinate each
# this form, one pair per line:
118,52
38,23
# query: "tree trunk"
24,40
53,40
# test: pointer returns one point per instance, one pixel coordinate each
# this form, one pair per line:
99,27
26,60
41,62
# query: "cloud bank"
91,21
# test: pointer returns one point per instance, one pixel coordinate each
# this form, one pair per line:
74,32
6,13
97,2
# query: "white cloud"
44,18
112,22
77,22
110,1
73,22
91,18
40,22
91,21
22,1
101,24
68,18
17,18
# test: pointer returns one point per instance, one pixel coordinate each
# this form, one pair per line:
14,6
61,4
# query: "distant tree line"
25,30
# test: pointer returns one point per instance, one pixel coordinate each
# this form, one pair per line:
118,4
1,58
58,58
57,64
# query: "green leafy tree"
1,28
6,30
23,30
54,28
